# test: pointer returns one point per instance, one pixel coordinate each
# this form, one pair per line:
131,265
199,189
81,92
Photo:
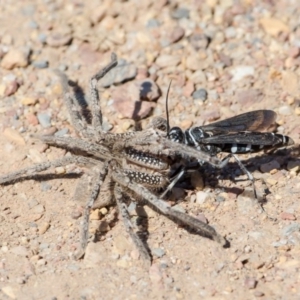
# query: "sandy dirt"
243,54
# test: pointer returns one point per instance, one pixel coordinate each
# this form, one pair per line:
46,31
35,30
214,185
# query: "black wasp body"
236,135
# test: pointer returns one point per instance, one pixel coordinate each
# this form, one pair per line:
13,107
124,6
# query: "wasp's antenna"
167,109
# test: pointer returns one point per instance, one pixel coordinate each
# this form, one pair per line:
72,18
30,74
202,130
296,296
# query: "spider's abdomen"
145,159
146,179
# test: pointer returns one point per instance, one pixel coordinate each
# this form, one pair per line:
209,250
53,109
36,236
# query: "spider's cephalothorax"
119,166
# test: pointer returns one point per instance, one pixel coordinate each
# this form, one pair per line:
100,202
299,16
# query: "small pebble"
43,227
63,67
60,170
202,197
29,100
57,39
188,89
123,72
61,132
239,72
44,119
4,249
152,23
250,282
33,25
176,35
9,292
294,227
294,52
230,32
200,94
15,58
37,209
267,167
42,37
166,60
45,186
41,262
11,88
287,216
32,119
95,215
202,218
220,198
155,274
293,166
14,136
20,251
199,41
44,246
103,211
181,13
20,280
158,252
273,26
76,214
285,110
258,294
40,64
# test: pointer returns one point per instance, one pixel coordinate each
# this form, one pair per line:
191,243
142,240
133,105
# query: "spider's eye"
162,127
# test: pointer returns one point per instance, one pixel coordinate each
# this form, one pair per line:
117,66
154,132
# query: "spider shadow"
85,110
142,222
253,164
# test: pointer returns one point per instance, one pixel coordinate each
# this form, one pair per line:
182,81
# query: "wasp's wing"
249,138
256,120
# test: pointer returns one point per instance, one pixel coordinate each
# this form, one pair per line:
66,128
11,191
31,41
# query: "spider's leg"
78,121
164,208
128,225
94,94
31,171
74,144
100,174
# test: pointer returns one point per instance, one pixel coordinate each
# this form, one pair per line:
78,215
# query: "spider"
134,165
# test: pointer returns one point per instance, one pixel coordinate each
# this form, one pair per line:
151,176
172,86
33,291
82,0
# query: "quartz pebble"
239,72
44,119
15,58
285,110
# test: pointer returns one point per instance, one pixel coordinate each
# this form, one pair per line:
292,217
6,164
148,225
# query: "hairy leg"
73,144
164,208
128,225
95,99
99,177
29,172
77,119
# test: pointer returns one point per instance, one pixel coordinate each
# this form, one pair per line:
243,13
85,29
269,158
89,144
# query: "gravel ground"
224,57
